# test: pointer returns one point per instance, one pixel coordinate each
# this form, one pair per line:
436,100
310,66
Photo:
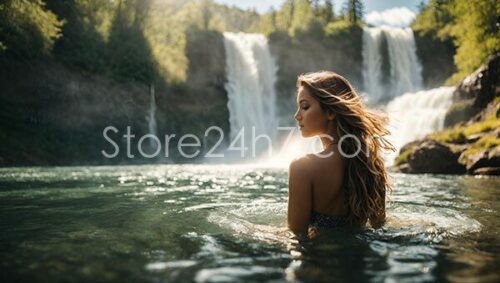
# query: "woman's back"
319,193
327,177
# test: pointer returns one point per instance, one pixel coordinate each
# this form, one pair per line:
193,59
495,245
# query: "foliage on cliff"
141,40
27,28
145,40
472,26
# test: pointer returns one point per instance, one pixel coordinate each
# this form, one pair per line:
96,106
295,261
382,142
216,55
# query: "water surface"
225,223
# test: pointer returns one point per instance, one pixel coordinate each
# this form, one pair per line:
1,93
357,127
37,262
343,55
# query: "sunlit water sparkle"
226,223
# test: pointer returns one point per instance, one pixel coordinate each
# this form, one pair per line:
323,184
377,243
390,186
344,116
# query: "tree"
206,14
315,7
472,25
421,6
273,19
435,19
326,11
354,11
290,14
480,21
129,52
27,28
303,16
83,43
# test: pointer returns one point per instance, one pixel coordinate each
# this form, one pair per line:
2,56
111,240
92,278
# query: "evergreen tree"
83,42
355,11
27,28
128,50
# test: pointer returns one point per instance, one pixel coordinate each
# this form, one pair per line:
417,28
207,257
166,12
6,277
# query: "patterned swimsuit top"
320,220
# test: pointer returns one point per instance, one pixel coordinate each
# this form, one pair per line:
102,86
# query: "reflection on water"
226,223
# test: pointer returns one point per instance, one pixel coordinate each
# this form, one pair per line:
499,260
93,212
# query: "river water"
225,223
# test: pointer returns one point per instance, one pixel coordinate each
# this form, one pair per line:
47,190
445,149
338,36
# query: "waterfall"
405,69
372,63
152,115
251,74
413,115
394,80
413,112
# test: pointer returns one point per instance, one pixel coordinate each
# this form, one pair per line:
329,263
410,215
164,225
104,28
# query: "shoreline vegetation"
69,69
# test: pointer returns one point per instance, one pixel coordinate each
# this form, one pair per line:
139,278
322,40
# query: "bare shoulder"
302,165
310,165
300,176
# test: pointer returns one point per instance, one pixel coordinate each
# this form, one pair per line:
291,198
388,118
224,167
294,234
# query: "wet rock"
409,145
460,111
484,159
434,157
490,171
474,138
476,161
206,71
404,168
482,85
475,92
494,157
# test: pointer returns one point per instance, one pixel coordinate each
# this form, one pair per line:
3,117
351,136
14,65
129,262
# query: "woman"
345,184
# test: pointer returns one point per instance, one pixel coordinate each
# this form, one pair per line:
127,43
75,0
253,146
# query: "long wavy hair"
365,180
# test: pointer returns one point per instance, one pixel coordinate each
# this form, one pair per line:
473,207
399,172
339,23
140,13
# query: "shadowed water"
222,223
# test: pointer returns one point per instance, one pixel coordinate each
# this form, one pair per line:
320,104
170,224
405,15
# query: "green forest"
69,68
96,36
146,40
472,26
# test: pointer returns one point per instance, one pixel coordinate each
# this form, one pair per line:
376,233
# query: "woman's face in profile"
312,119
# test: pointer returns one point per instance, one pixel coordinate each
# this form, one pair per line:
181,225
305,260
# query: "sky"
370,5
397,13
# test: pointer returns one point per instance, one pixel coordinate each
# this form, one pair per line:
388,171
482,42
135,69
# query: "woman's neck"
328,141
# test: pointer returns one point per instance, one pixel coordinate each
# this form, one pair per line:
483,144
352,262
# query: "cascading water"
405,69
251,74
152,116
372,63
413,115
413,112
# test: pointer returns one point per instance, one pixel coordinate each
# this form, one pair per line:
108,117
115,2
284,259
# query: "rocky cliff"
55,115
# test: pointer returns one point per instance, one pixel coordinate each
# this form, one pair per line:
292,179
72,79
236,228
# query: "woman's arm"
299,196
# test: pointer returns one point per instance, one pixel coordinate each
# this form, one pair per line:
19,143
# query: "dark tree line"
68,31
